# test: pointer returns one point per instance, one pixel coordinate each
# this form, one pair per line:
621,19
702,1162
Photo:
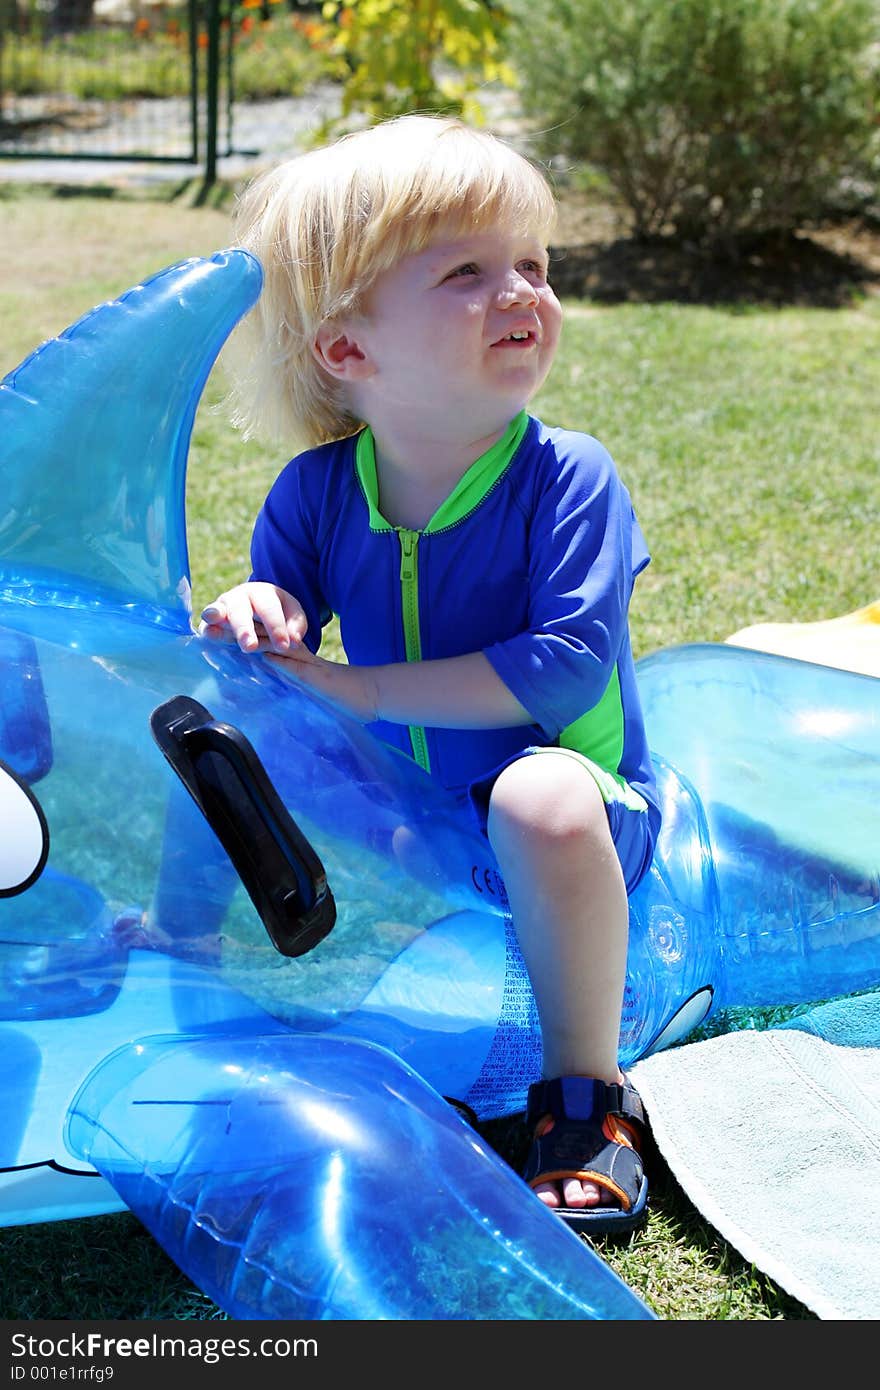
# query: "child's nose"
516,289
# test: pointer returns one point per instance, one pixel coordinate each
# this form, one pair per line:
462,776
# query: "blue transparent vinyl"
274,1121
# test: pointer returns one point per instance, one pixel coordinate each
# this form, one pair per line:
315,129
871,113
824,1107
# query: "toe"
596,1196
548,1193
579,1194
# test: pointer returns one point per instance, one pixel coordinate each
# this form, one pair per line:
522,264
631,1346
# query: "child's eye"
531,267
467,269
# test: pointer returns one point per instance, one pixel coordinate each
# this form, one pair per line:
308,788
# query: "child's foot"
130,930
133,930
584,1160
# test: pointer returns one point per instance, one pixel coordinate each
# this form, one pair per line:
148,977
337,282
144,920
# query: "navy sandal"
584,1128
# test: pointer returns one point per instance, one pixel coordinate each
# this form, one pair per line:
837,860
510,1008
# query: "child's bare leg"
549,830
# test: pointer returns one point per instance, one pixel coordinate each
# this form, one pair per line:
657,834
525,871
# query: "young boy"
480,562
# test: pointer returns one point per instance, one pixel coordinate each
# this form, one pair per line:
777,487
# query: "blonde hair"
326,223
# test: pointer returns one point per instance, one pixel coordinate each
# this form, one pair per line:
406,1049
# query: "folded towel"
775,1137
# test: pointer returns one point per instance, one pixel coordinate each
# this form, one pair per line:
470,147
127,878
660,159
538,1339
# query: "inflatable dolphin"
247,951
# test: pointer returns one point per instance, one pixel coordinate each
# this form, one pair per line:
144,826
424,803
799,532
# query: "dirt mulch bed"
596,257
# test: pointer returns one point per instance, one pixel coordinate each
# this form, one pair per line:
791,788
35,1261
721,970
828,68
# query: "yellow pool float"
851,641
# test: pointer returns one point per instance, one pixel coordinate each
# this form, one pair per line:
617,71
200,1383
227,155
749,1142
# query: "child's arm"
456,692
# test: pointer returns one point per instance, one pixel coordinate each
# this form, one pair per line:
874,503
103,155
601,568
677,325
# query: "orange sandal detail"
587,1129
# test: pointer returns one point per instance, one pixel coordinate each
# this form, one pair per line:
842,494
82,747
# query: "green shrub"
274,62
272,58
713,119
424,55
98,66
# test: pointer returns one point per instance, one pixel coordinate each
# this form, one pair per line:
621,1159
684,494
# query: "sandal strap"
584,1098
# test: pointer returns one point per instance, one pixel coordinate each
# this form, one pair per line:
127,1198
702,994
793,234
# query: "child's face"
462,333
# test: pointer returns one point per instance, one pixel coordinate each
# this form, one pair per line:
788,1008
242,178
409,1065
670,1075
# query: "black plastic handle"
283,875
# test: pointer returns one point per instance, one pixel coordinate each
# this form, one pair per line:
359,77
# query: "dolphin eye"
24,834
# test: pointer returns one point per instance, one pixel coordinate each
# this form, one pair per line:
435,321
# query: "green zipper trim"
465,497
412,637
468,492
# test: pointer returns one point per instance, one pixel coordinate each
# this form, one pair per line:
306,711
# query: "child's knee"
545,798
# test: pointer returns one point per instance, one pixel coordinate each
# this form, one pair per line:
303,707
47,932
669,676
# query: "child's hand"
259,617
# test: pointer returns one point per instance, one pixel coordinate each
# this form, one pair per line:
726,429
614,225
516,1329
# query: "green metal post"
230,90
193,10
212,91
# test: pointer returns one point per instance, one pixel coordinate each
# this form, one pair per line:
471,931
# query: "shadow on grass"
794,269
94,1268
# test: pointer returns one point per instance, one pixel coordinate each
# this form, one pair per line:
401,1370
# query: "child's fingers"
293,617
256,616
271,618
231,619
280,614
215,632
212,623
215,613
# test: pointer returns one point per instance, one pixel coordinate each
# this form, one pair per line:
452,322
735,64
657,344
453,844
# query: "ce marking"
488,880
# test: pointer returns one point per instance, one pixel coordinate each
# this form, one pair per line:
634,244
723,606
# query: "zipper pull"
408,542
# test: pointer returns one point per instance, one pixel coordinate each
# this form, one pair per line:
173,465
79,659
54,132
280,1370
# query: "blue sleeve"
586,548
284,551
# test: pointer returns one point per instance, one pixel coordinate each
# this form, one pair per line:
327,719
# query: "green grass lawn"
748,438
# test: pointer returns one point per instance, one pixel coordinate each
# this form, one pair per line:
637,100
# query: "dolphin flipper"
319,1178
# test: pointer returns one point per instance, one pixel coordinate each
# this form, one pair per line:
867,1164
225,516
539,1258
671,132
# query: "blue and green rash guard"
531,560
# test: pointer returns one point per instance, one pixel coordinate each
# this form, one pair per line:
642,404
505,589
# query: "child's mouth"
515,339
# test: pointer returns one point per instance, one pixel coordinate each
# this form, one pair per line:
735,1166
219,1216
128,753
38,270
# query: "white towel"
775,1138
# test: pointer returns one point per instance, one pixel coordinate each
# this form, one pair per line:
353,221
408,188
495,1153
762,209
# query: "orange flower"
247,24
142,27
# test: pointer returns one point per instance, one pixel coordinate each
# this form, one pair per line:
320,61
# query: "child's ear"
340,354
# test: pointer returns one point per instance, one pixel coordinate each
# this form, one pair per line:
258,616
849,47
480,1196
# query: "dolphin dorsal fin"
95,428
